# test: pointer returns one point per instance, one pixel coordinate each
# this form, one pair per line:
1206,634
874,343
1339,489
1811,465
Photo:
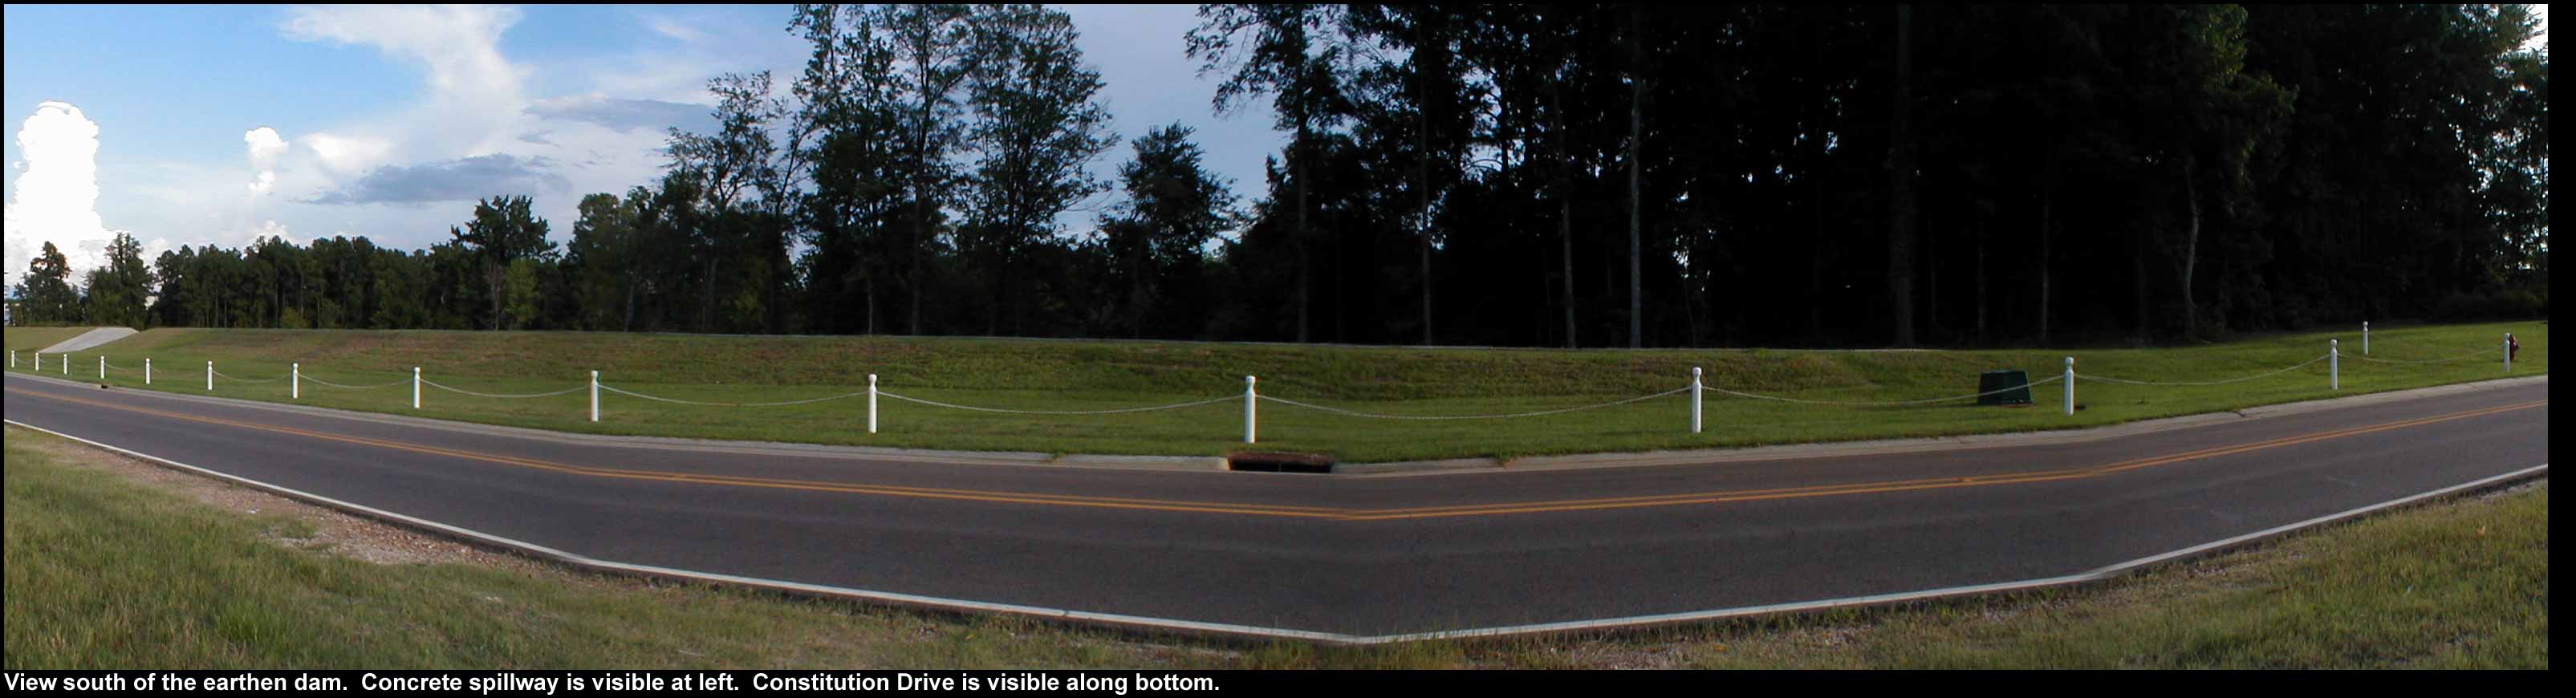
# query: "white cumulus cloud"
273,229
265,147
57,197
348,155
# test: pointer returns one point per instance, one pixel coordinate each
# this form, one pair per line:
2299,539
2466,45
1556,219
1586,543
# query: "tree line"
1579,176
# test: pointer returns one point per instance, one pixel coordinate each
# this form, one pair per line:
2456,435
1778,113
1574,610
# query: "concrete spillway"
89,339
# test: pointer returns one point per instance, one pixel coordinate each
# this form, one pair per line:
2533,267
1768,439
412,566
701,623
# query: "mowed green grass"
103,571
26,340
1097,375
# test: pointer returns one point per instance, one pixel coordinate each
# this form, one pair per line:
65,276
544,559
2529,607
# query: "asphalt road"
1341,556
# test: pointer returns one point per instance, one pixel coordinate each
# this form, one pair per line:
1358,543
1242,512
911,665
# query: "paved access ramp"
89,339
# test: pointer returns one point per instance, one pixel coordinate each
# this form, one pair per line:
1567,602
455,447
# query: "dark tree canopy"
1548,175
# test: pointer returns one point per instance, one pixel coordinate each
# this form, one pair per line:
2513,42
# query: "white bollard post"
295,381
2508,352
13,359
2334,364
67,364
1249,409
102,367
210,376
1694,399
872,403
147,371
2070,385
415,387
594,396
2365,338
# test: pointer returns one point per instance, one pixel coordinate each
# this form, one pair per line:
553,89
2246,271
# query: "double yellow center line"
1328,513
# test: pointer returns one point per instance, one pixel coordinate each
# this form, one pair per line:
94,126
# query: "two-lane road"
1343,557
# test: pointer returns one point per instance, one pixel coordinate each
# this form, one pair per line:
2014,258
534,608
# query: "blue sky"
197,125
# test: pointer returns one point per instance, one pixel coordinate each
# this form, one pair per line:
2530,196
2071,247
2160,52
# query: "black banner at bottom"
558,683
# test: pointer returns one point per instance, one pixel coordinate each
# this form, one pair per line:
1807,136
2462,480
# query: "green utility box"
1991,381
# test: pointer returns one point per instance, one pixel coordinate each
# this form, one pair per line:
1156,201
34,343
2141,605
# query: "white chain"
730,404
1370,415
2464,357
220,374
1899,402
1116,411
310,377
2108,379
434,384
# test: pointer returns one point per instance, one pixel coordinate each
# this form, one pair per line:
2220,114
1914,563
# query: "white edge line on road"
2097,574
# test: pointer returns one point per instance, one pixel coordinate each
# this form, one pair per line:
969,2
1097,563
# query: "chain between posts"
1372,415
2043,381
2125,381
434,384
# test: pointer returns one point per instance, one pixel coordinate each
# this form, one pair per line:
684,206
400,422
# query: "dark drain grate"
1277,462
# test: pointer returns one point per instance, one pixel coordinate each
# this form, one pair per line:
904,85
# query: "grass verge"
115,563
1095,375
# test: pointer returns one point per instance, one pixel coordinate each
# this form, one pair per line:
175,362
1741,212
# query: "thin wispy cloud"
628,115
463,179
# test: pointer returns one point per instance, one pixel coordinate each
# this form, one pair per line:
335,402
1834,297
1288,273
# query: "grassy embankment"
26,340
113,563
1090,375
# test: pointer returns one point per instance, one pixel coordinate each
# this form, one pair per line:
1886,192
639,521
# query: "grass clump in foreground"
1095,375
111,564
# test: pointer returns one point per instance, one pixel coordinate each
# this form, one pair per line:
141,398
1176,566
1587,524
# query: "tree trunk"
1341,287
497,276
1564,204
1981,277
1693,305
1305,261
2190,255
1426,279
1636,204
1001,297
1422,170
2044,202
1931,281
707,304
2138,289
1900,162
1136,292
1816,249
920,216
1538,306
774,286
920,239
